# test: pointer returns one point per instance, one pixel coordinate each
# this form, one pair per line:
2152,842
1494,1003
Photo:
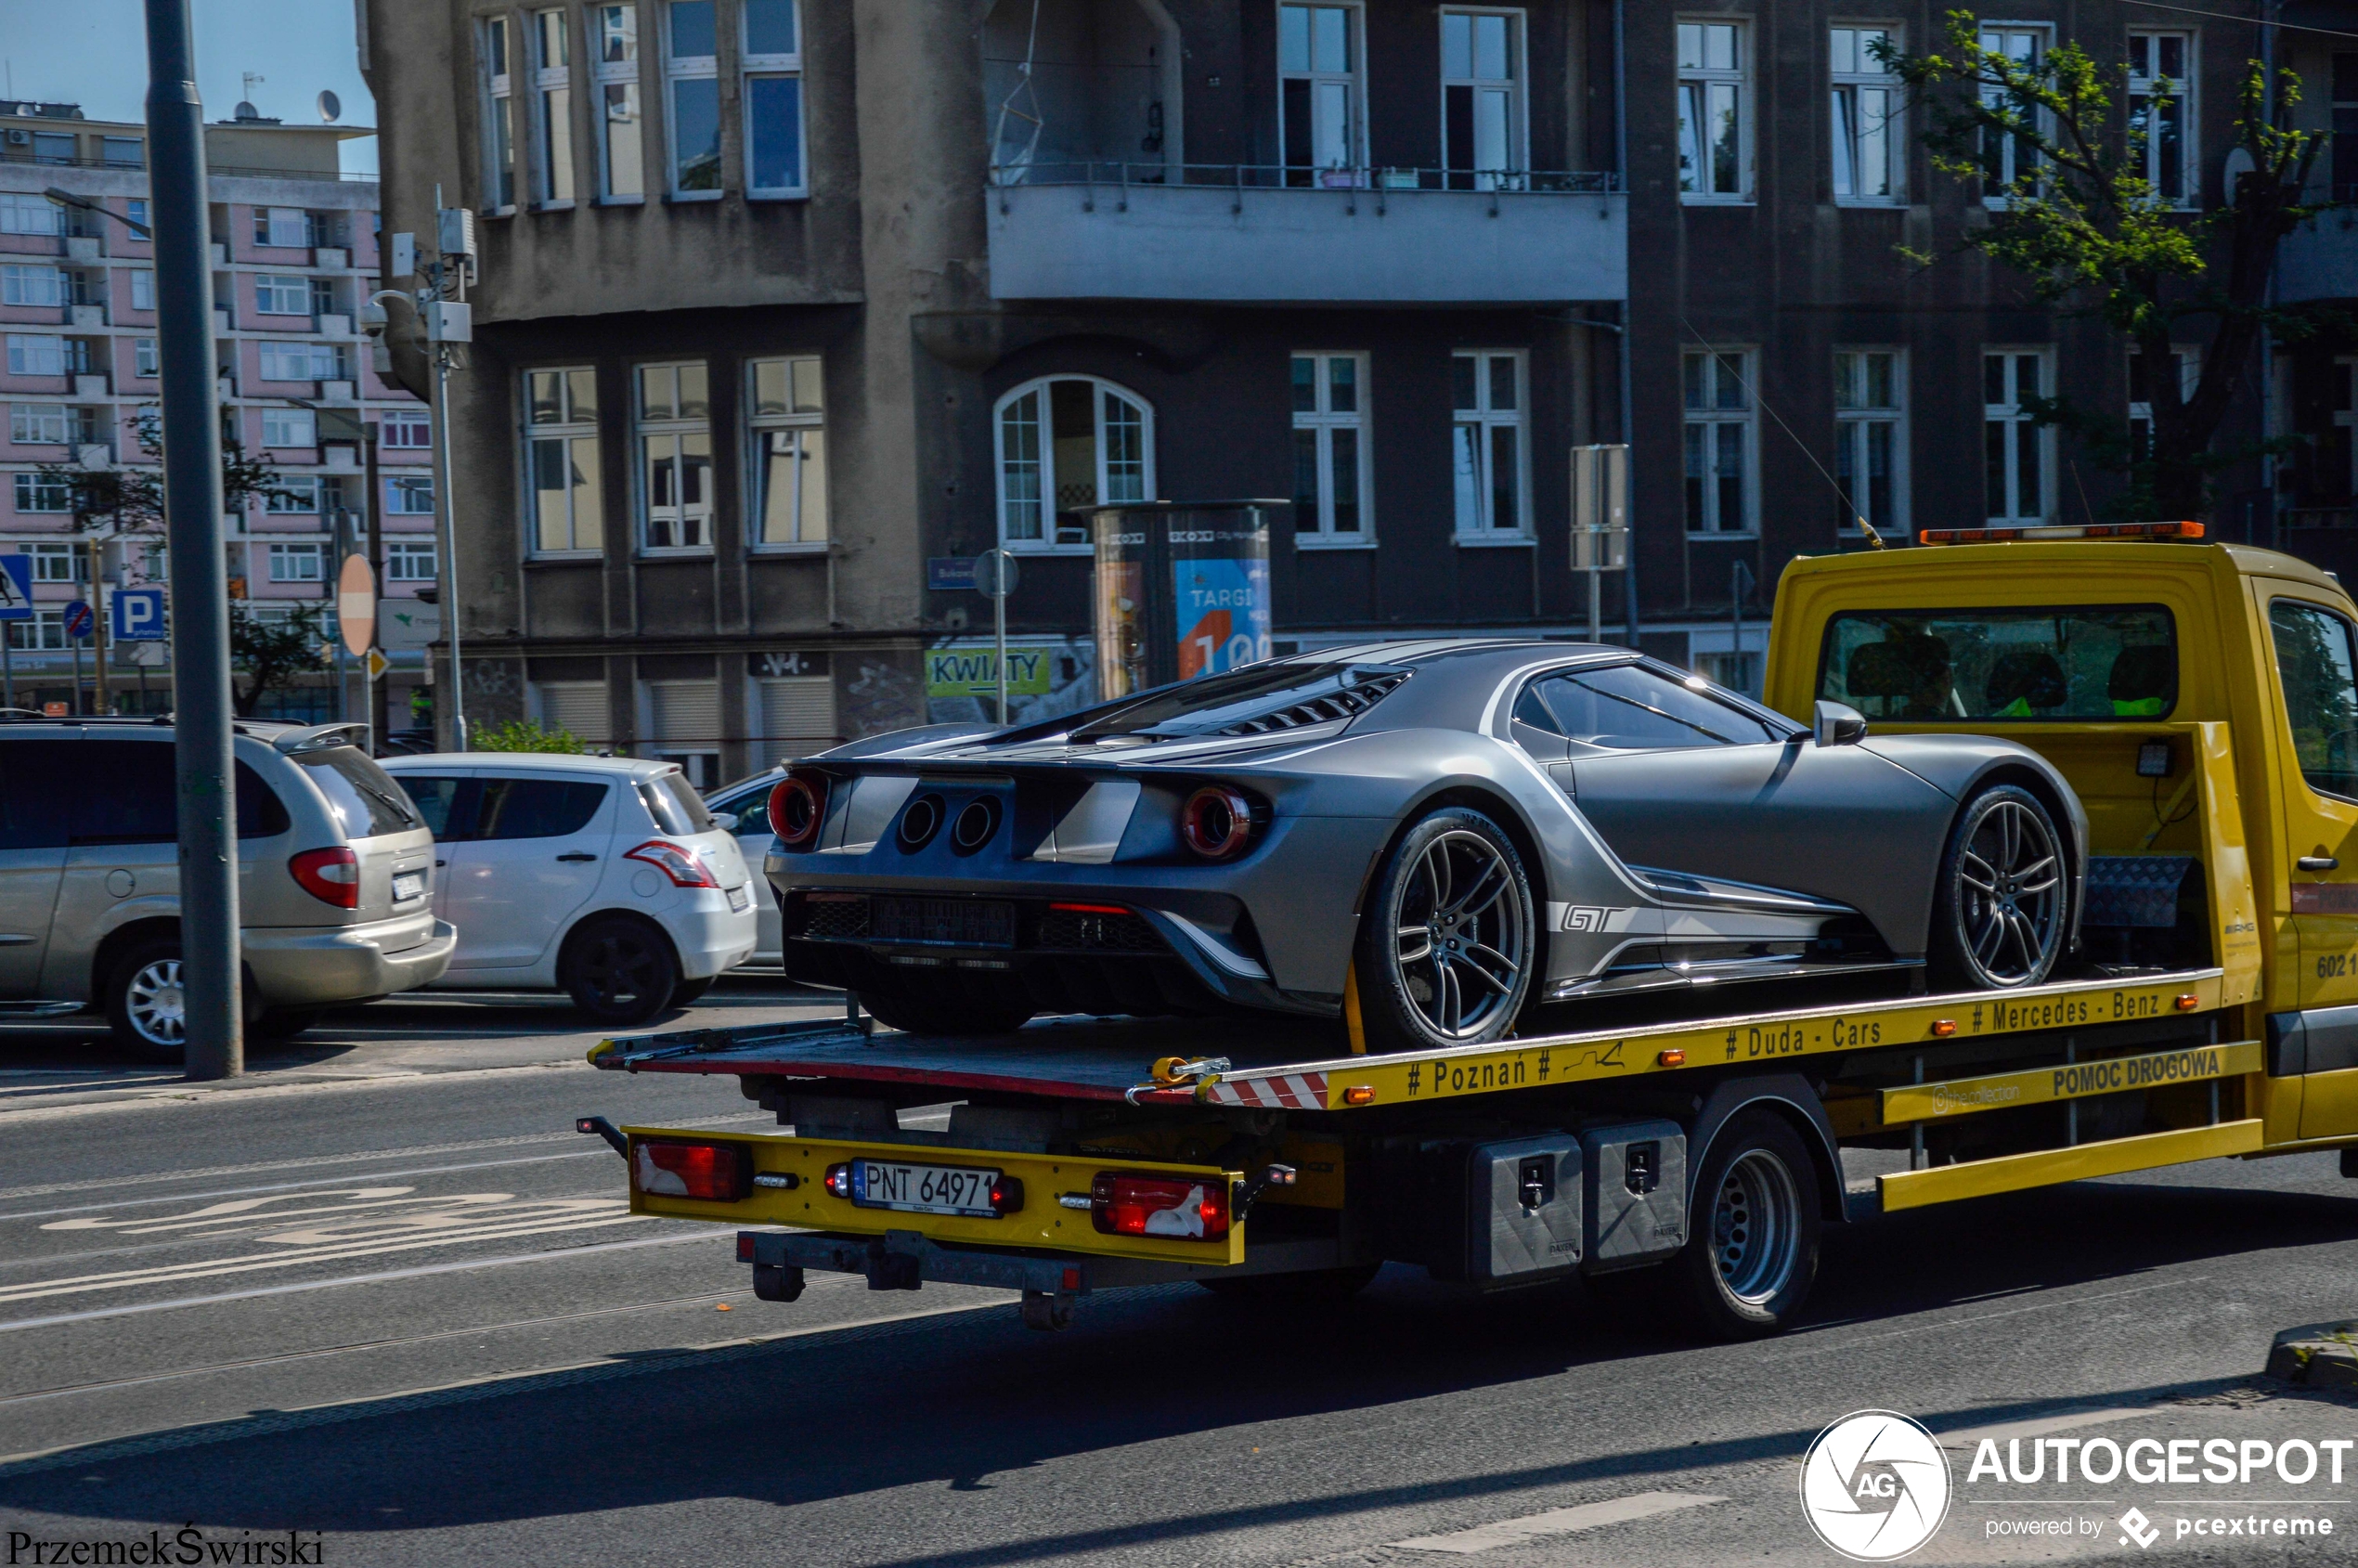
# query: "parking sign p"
138,615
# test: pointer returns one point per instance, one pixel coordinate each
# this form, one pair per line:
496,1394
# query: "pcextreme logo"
1875,1485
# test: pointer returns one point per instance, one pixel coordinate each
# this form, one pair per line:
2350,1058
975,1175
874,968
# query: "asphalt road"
381,1296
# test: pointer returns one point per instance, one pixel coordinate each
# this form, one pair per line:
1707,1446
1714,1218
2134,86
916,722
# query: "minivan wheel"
145,1004
619,970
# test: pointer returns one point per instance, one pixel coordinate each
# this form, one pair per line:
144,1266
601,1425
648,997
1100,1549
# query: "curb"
2319,1356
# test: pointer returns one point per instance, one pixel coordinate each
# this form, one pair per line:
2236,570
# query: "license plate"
740,900
408,885
945,922
923,1189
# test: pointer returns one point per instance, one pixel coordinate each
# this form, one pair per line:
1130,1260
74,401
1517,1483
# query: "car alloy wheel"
155,1005
1460,917
2010,894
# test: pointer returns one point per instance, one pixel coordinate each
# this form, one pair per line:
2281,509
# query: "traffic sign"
995,574
16,587
138,615
79,620
356,603
377,664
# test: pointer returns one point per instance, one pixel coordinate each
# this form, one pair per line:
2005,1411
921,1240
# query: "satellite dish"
330,108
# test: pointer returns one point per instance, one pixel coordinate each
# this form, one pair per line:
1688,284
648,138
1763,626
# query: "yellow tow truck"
2202,698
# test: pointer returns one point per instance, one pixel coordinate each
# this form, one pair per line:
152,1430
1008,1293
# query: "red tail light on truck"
715,1172
1125,1204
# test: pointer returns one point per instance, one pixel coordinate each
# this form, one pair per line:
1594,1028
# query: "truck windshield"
2103,661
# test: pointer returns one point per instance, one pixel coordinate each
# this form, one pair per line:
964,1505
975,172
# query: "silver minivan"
335,876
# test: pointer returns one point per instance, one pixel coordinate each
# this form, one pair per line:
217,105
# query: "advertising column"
1182,589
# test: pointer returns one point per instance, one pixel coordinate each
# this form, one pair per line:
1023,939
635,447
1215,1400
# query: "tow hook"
604,1129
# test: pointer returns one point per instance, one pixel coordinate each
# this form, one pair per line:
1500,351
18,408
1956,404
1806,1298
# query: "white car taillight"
683,865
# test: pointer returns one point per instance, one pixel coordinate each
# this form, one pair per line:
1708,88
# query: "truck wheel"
1999,909
1445,941
1308,1288
915,1011
1752,1231
144,1003
619,970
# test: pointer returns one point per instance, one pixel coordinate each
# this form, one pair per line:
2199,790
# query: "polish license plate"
408,885
923,1189
740,900
946,921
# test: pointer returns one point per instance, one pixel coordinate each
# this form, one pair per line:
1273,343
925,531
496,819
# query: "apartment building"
785,303
294,256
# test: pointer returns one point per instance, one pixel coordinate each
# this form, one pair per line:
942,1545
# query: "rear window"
364,797
2099,662
127,792
676,807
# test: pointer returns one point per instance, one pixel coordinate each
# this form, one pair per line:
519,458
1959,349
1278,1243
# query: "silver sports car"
1435,835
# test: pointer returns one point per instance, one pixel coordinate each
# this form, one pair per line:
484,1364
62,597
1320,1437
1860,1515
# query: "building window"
37,492
57,563
1714,112
283,228
691,83
2017,450
35,284
410,494
1721,438
1870,438
1482,136
2344,171
2006,159
294,492
37,425
409,561
498,117
1488,461
789,451
301,361
136,213
294,563
2161,107
143,288
1331,457
774,98
552,104
36,356
1318,92
675,456
1869,154
30,214
2141,397
289,427
122,153
53,147
408,430
276,295
1066,442
619,138
143,358
561,459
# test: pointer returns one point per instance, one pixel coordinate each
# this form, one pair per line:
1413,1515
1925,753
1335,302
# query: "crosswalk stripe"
1559,1522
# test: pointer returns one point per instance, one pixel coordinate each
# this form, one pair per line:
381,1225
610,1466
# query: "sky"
94,53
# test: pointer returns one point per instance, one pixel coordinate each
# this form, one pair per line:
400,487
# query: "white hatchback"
601,876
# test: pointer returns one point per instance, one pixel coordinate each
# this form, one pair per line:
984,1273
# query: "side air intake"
1345,702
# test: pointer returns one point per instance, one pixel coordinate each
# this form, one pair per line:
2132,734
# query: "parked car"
743,808
599,877
1428,837
335,876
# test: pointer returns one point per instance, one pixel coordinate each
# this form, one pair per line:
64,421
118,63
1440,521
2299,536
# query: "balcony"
334,258
221,321
2319,260
82,247
86,315
335,391
90,387
1230,233
94,454
334,325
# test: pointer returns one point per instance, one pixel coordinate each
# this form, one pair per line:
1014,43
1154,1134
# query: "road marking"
295,1187
1559,1522
419,1272
294,1083
1972,1437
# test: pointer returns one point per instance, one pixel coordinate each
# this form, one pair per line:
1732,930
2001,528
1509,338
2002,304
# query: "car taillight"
1216,822
331,875
684,866
716,1172
1123,1204
797,808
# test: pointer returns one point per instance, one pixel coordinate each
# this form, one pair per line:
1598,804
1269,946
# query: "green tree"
271,653
131,499
2083,224
526,734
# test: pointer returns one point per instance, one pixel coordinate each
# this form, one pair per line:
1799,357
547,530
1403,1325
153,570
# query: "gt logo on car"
1592,917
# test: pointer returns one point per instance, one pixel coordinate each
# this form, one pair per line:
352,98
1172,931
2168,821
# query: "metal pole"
377,685
1628,333
102,699
203,745
999,620
9,657
75,642
447,504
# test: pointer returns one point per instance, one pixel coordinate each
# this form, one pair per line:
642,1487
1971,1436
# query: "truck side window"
2316,663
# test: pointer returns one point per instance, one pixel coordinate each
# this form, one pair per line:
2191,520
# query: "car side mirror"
1838,725
725,821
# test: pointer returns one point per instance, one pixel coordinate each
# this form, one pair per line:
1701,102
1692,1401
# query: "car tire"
619,970
913,1010
1309,1287
284,1023
1752,1231
687,992
144,1004
1452,889
2001,908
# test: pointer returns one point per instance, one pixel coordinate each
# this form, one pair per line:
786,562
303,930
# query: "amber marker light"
1670,1059
1943,1028
2187,1001
1359,1095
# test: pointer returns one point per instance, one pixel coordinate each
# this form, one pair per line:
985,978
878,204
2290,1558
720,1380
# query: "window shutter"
685,710
579,706
798,717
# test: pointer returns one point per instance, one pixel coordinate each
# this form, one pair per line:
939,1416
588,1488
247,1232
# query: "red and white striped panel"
1297,1091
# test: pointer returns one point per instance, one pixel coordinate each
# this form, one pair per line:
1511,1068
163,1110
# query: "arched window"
1065,442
